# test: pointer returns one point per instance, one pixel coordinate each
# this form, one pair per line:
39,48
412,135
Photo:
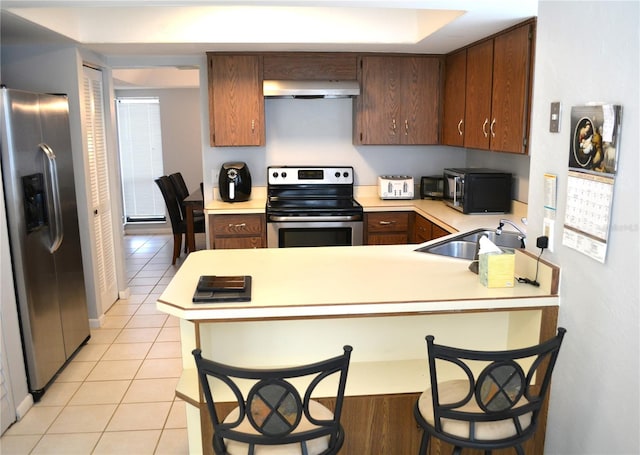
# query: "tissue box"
497,270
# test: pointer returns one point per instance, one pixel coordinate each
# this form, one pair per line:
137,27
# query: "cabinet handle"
241,225
406,127
460,127
493,122
253,126
484,127
386,223
393,126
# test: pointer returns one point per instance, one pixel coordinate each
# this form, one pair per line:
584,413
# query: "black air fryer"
234,182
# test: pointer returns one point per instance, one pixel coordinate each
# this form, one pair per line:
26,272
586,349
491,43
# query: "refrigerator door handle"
55,197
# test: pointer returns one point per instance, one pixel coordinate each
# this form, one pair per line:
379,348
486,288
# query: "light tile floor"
117,394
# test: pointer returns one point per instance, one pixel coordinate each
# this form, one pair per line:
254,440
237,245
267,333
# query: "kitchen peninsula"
383,300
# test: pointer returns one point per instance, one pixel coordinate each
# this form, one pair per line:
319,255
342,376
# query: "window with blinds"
140,141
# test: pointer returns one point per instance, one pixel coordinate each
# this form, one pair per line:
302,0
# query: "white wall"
588,51
58,69
14,377
518,165
181,138
319,132
180,123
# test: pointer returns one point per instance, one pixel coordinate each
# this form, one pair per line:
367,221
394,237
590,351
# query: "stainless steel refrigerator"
37,173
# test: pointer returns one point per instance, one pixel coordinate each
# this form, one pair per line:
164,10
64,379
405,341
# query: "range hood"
310,89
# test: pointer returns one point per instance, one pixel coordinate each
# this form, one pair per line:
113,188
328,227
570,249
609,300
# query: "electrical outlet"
548,228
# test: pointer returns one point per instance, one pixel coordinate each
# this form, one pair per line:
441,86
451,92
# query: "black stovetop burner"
321,191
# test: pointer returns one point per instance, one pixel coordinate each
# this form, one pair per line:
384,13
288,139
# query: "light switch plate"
554,117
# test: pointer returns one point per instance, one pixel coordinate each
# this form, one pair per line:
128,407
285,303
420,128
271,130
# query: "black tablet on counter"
216,288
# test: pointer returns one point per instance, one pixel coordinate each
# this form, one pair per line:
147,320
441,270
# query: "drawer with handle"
237,224
388,221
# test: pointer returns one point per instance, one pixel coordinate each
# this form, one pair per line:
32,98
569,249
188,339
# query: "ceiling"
123,30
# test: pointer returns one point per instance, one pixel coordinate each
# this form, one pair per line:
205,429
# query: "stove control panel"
320,175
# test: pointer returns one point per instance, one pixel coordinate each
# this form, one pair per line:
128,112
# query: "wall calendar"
593,161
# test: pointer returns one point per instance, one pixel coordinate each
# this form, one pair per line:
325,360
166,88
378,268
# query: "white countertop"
435,211
256,203
303,282
335,281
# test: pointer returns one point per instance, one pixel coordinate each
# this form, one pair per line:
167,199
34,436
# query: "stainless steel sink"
464,245
454,248
506,239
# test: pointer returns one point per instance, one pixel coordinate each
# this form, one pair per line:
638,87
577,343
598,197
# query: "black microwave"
477,190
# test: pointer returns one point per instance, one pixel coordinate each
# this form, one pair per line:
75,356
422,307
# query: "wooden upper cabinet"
377,107
454,99
310,66
421,100
477,118
497,92
236,104
399,100
510,94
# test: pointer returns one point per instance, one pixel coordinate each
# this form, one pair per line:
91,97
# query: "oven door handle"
315,218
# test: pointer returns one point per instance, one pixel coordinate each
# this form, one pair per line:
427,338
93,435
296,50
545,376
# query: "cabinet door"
310,66
425,230
227,243
387,228
454,99
509,105
421,229
377,107
399,101
477,117
236,104
419,100
437,231
237,231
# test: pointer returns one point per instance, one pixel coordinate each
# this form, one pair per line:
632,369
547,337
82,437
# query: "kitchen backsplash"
319,132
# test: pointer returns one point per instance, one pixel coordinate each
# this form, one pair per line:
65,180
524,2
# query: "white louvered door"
8,324
100,198
7,408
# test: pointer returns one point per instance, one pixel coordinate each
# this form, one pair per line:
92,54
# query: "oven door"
288,234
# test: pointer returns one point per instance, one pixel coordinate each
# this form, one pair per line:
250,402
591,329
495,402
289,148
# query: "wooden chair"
182,191
495,405
271,417
178,224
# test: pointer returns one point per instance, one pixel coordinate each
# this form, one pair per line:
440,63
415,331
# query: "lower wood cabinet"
437,231
381,228
387,228
380,424
373,424
425,230
422,228
237,231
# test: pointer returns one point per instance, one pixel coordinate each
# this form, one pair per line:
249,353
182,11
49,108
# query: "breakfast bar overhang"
307,303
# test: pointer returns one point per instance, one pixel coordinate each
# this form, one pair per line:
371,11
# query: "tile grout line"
167,272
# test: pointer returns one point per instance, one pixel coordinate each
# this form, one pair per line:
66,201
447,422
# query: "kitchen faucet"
522,235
